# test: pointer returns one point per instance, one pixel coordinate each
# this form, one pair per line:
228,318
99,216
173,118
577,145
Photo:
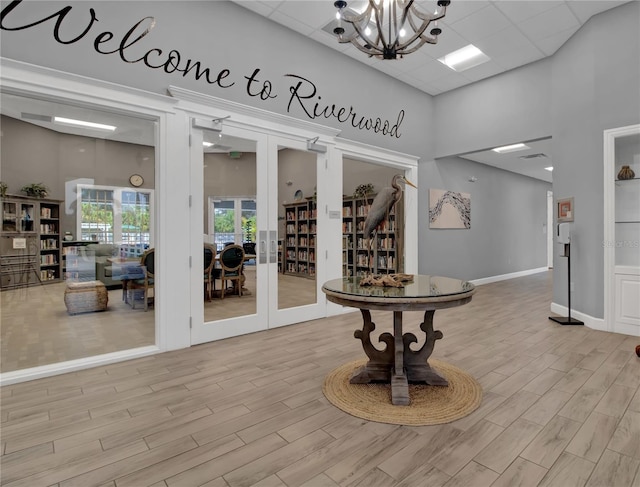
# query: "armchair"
209,263
231,262
146,281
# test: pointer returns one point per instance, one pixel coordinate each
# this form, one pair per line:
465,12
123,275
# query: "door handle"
262,255
273,251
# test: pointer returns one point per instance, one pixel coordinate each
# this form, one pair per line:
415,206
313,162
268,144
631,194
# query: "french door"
249,179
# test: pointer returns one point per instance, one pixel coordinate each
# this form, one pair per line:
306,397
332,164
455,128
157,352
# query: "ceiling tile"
511,32
262,8
506,41
313,13
459,9
519,10
432,71
291,23
450,82
448,41
483,71
584,9
481,24
549,23
411,61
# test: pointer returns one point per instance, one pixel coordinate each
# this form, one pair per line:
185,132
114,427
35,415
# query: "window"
233,220
116,215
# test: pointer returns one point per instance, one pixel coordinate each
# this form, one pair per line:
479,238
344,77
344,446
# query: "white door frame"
609,237
550,230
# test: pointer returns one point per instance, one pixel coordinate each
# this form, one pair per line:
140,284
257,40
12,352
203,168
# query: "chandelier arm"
417,32
369,52
388,44
427,15
404,52
379,18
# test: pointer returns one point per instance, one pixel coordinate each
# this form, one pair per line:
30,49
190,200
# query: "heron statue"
380,208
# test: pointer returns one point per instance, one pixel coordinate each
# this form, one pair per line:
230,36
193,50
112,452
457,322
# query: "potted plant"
363,190
3,189
35,190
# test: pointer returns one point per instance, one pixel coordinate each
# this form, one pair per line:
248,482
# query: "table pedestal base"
397,363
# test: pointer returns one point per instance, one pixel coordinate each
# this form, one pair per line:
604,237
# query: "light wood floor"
561,407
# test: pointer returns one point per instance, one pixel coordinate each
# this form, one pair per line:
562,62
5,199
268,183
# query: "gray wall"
592,83
508,220
32,154
211,32
502,109
595,86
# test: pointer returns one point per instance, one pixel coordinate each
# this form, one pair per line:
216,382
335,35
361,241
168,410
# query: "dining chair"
209,263
146,282
231,265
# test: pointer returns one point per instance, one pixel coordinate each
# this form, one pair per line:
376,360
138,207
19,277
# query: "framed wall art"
449,209
565,210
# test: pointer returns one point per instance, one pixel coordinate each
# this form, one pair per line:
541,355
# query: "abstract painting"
565,210
449,209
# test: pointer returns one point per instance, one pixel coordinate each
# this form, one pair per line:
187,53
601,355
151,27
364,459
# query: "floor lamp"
564,237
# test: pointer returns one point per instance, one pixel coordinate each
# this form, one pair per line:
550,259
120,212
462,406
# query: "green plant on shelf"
35,190
363,190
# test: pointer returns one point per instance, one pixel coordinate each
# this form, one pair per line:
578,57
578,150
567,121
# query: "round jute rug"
429,404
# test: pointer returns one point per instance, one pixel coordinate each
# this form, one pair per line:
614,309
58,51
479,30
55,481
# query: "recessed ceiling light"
208,144
83,123
511,148
464,58
550,168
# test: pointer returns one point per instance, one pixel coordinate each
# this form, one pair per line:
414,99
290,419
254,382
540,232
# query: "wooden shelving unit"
386,252
299,244
30,250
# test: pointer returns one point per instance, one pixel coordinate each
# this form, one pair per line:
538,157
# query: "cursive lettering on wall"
303,93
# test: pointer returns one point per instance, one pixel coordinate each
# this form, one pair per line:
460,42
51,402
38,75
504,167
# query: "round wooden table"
397,363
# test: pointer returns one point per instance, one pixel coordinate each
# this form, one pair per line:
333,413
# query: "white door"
242,183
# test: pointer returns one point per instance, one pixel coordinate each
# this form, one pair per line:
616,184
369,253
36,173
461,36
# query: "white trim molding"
511,275
589,321
42,371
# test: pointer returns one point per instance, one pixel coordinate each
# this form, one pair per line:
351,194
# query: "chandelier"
387,29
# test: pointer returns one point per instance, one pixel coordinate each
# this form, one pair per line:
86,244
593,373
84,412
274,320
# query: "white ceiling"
511,32
529,162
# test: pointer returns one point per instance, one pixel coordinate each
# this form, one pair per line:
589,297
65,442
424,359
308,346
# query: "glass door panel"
227,298
298,214
68,249
384,255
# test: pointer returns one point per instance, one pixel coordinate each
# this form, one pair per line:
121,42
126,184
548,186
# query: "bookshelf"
386,252
30,250
299,246
299,243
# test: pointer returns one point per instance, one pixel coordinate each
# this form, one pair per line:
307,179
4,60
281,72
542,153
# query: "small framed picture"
565,210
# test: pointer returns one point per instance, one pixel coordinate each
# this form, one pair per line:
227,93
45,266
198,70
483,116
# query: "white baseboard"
33,373
504,277
589,321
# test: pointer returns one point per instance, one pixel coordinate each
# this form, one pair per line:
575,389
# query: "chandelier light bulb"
401,28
